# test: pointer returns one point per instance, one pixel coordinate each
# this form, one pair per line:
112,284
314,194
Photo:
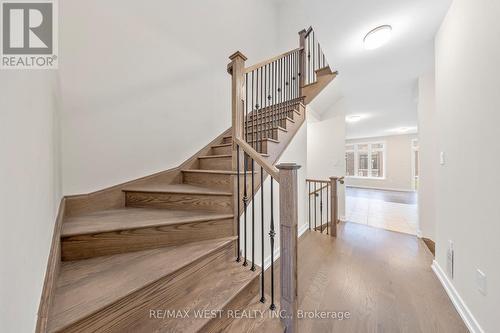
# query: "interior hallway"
391,210
382,278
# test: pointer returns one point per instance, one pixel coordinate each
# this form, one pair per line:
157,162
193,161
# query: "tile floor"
390,210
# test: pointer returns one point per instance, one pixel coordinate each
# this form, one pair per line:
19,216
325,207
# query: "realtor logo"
29,39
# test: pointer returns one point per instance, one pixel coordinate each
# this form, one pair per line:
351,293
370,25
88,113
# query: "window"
349,160
365,160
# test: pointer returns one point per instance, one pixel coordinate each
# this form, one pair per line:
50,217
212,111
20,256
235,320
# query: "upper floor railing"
263,95
315,59
322,204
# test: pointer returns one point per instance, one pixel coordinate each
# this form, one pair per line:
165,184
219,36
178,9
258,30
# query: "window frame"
355,150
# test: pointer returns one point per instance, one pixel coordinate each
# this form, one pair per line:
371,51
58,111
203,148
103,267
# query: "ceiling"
380,85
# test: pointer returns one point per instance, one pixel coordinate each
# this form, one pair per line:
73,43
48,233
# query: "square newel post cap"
237,55
334,178
288,166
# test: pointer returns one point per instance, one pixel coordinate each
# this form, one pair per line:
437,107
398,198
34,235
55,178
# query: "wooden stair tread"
223,145
133,218
215,156
215,292
264,139
86,286
177,188
220,172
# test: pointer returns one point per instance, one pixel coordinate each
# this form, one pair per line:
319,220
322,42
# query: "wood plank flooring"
382,278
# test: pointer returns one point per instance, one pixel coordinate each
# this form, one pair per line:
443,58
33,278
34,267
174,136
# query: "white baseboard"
303,229
419,233
457,301
381,188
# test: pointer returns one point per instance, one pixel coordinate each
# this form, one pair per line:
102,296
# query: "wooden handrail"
268,61
308,31
268,167
319,189
317,180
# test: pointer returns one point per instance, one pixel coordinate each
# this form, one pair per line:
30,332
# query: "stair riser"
289,113
94,245
221,150
241,301
273,134
214,203
227,140
135,308
216,181
283,122
219,163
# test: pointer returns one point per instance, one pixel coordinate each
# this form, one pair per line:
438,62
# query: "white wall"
296,152
326,149
428,155
468,104
29,191
145,86
398,164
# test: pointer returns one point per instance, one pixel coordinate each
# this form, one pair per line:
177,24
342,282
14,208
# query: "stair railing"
263,95
315,58
323,204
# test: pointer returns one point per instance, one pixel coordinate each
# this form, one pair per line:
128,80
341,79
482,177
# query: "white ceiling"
381,84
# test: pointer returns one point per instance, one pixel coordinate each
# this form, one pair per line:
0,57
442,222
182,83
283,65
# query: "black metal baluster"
251,108
245,204
308,67
255,117
282,91
327,206
321,206
315,207
245,118
253,216
314,59
262,298
262,101
238,259
264,109
309,202
319,57
272,233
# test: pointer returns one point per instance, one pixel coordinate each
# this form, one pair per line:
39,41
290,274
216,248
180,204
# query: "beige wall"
467,107
29,191
145,87
398,164
428,156
326,149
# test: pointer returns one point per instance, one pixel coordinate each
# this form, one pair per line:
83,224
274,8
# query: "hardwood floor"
391,210
382,278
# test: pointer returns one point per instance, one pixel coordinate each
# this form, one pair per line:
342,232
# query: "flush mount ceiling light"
353,119
403,129
377,37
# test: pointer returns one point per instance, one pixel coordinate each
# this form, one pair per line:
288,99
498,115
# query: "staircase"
150,255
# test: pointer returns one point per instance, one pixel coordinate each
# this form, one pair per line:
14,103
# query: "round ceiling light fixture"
377,37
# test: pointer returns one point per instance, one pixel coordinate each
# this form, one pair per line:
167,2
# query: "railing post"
334,209
302,60
236,68
288,244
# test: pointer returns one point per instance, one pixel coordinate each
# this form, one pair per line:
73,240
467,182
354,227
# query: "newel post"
288,244
335,206
302,60
236,68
